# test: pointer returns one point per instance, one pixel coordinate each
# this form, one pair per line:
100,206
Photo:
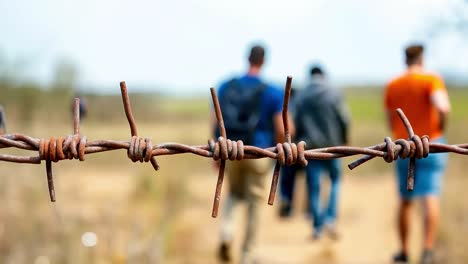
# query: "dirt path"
366,224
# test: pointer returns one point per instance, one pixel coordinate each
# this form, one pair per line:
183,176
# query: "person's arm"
275,105
440,100
279,127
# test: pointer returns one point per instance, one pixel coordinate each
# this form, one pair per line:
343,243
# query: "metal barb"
222,165
287,137
128,109
412,162
76,117
50,181
138,152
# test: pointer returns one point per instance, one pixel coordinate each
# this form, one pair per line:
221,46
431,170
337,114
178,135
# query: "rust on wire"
128,109
287,138
139,149
76,117
222,165
288,153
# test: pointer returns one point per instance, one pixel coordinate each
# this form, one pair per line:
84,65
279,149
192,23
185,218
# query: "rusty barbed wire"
288,153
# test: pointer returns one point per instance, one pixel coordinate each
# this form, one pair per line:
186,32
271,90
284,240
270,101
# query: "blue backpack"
240,107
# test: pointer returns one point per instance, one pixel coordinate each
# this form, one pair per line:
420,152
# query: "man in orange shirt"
423,97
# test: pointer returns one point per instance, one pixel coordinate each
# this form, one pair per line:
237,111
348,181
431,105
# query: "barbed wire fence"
142,149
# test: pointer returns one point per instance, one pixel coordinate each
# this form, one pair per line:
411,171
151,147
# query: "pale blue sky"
190,45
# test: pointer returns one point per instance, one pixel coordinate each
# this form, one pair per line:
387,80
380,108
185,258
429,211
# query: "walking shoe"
332,231
317,235
427,257
224,252
400,258
284,210
247,258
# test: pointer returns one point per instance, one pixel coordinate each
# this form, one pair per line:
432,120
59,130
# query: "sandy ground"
366,225
101,193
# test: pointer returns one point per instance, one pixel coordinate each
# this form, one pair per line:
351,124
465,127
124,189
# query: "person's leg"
227,228
404,215
330,214
227,219
255,176
251,231
334,169
287,180
227,222
313,170
431,220
403,211
432,168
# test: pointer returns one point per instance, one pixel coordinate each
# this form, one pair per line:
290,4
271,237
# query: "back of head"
316,71
414,54
257,56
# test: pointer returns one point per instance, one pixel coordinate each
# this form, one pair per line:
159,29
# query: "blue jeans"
314,170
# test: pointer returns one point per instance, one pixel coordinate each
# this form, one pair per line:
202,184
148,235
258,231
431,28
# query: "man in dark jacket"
321,121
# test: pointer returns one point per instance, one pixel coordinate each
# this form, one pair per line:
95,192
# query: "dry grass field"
142,216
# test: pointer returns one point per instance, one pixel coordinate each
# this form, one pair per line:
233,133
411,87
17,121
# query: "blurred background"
110,210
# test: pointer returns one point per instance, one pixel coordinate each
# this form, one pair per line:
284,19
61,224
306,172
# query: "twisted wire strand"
223,149
400,148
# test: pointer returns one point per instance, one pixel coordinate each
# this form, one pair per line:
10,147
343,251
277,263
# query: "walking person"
321,120
251,111
2,121
424,99
82,107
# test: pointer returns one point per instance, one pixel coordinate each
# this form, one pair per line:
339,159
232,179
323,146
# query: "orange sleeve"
437,84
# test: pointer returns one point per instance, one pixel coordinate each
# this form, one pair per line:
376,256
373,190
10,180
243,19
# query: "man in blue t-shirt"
247,177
